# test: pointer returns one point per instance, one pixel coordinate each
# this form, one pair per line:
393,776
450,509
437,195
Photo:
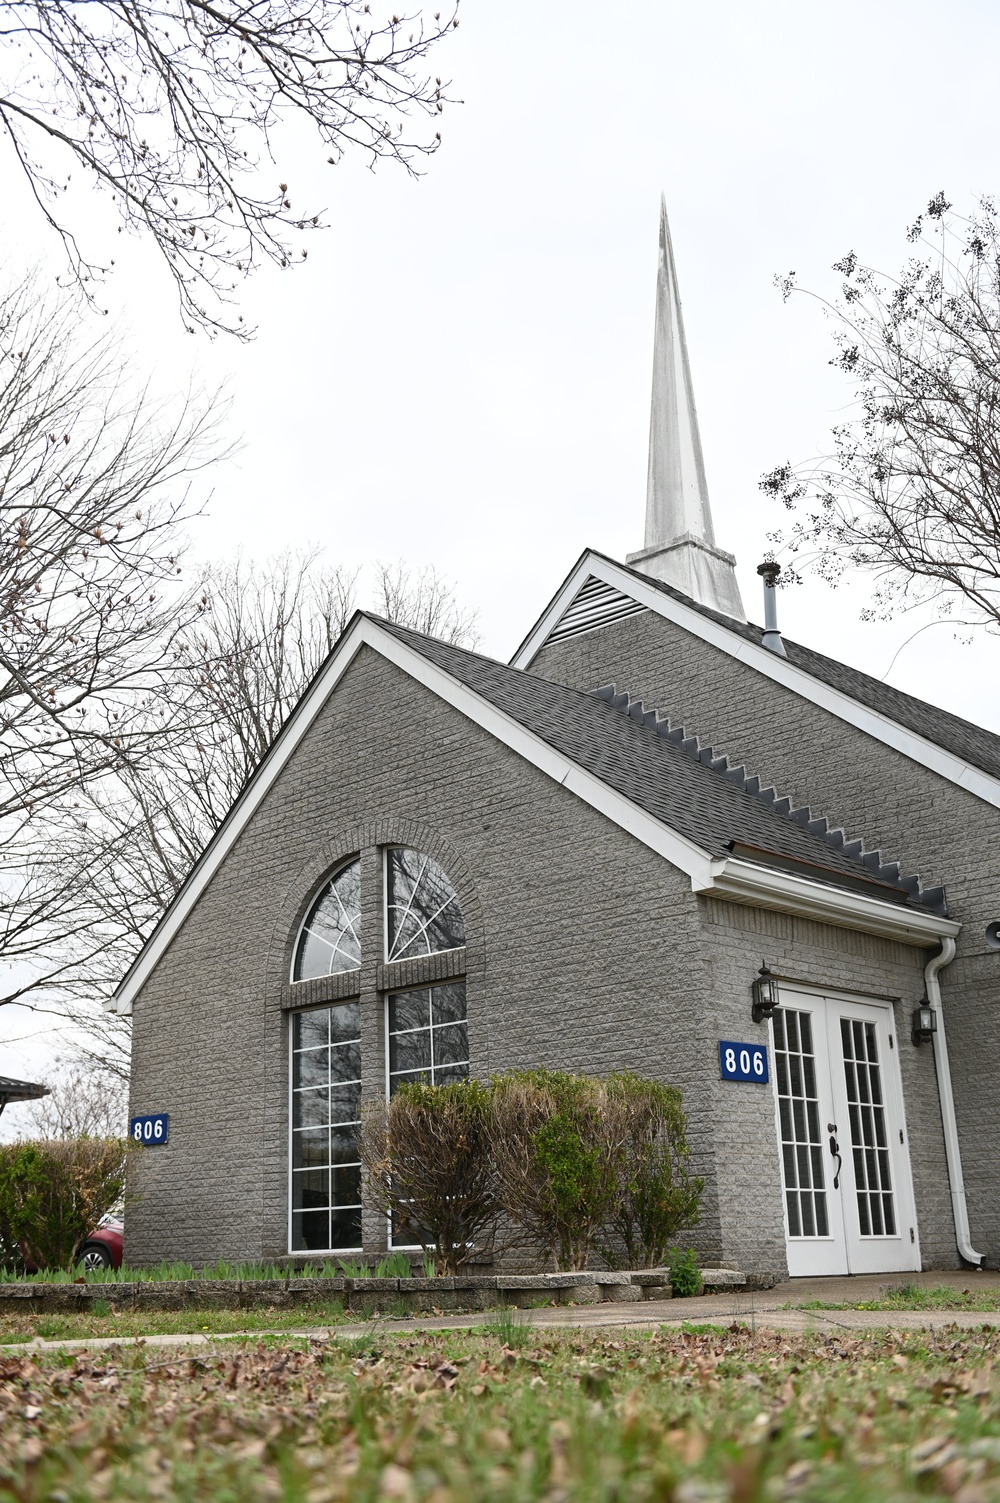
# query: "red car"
103,1248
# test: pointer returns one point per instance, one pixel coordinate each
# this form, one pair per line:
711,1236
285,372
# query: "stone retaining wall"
387,1296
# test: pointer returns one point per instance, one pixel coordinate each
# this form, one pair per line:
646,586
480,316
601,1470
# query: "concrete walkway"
775,1309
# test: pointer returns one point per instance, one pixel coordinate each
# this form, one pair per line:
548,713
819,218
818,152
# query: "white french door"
845,1165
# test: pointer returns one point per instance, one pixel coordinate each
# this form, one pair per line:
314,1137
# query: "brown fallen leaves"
459,1417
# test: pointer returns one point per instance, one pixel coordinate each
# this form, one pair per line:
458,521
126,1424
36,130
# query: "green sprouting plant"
363,1345
430,1266
510,1327
685,1274
351,1269
396,1265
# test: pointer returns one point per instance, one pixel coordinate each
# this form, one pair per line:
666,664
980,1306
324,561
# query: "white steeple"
680,541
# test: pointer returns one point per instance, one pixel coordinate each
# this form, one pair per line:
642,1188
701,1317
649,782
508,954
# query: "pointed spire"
680,543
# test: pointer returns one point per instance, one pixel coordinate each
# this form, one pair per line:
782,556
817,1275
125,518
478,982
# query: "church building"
662,839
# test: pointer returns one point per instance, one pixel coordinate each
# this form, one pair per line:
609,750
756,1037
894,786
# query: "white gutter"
769,887
952,1151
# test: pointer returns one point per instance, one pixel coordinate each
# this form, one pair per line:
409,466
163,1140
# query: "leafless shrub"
427,1164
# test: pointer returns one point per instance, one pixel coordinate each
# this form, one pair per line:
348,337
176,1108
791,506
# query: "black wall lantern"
924,1023
765,995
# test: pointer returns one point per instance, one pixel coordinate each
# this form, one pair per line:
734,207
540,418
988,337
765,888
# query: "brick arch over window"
361,840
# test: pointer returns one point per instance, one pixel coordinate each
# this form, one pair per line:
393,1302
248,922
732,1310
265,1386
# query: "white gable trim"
872,722
705,872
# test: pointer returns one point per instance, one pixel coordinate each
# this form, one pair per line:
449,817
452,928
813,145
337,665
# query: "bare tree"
174,108
85,1101
425,602
95,873
108,862
93,482
90,504
911,489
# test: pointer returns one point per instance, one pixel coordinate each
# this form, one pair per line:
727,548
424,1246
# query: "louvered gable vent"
596,604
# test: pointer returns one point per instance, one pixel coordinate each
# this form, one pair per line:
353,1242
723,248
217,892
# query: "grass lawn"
510,1414
104,1320
916,1297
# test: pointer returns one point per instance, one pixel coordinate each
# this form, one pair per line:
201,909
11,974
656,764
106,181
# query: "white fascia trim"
673,847
881,727
766,887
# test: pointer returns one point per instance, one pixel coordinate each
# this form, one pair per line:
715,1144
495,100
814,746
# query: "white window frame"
399,991
330,876
386,851
306,1252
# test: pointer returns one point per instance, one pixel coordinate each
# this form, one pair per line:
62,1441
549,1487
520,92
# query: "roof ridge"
932,898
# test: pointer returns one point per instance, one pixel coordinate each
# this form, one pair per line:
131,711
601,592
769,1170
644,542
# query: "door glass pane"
869,1153
798,1113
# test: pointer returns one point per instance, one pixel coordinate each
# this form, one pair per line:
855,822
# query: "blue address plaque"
150,1131
743,1061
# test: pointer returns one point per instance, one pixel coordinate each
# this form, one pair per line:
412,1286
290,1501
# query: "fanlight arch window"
423,914
330,940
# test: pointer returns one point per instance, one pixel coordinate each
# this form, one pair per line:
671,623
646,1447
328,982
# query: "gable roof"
725,840
650,768
599,589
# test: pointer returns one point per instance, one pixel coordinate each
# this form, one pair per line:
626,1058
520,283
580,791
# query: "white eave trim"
728,878
981,784
766,887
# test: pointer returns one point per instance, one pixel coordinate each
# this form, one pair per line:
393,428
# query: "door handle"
831,1128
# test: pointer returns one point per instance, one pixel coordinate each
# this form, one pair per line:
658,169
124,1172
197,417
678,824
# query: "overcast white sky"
459,375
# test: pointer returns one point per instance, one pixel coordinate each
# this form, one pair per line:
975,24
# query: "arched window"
423,915
331,936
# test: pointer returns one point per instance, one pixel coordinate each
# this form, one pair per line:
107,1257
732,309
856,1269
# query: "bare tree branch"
174,109
97,873
911,490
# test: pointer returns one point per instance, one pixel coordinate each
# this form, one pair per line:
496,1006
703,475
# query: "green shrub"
660,1197
427,1161
559,1147
685,1274
52,1194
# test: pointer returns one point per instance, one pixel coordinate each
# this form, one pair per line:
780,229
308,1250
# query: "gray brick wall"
914,815
585,951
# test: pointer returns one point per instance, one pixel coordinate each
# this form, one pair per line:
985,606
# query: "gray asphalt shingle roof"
972,743
654,774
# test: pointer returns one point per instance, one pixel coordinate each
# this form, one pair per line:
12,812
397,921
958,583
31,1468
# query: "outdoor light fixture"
924,1023
765,995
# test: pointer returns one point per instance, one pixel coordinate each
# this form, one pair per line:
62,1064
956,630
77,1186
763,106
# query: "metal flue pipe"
769,571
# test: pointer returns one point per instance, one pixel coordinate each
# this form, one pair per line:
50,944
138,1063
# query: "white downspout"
952,1151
